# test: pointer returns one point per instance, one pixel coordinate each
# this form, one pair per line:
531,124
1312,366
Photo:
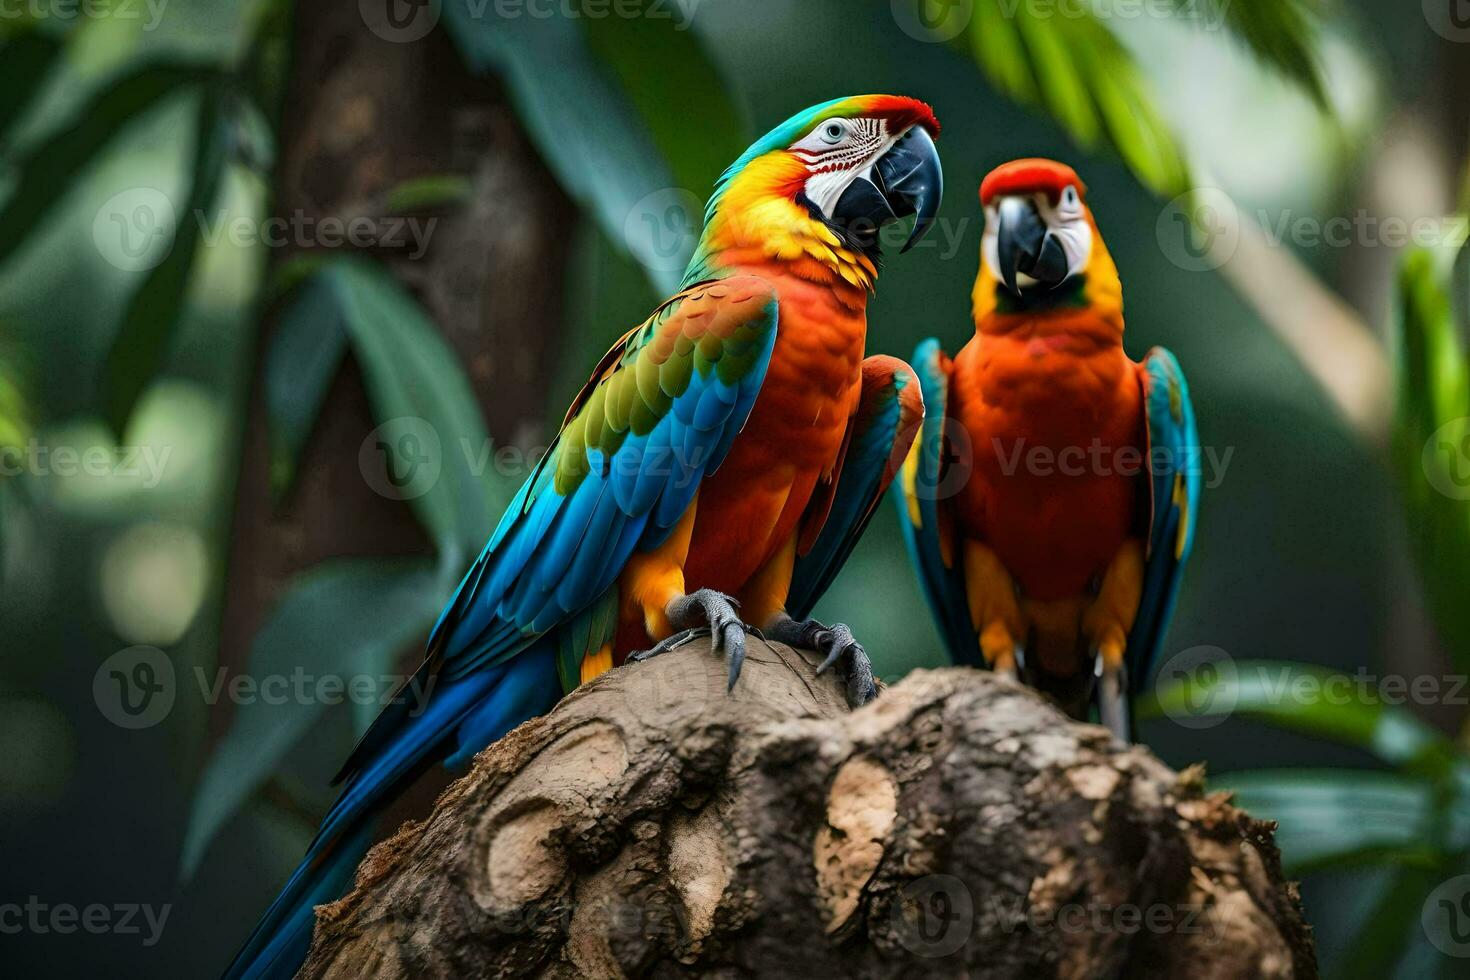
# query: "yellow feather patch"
596,664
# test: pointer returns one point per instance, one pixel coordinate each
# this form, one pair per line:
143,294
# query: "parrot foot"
724,624
841,650
1112,699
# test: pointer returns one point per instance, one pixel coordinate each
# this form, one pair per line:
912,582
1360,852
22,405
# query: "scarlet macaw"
1050,504
722,460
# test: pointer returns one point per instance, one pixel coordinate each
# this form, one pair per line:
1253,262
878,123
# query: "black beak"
906,180
1024,245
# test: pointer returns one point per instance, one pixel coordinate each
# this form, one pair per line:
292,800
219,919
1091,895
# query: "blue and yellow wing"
1174,487
928,527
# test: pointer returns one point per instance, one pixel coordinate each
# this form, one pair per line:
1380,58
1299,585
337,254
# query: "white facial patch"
839,151
1065,220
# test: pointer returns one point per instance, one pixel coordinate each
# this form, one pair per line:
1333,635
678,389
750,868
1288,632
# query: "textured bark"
652,825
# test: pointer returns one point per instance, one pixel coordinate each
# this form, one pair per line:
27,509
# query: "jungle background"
243,457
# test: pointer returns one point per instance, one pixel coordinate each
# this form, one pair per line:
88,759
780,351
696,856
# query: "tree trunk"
362,116
960,826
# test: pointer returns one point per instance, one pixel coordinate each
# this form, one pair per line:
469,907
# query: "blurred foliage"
621,109
1431,441
1066,59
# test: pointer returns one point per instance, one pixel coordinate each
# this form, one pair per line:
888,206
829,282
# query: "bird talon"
841,650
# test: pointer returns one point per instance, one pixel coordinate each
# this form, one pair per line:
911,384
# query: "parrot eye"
833,132
1069,197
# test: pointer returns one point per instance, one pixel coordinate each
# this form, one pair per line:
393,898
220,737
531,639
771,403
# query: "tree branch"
653,825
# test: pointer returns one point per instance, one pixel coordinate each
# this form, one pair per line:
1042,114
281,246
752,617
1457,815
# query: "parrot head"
818,188
1041,249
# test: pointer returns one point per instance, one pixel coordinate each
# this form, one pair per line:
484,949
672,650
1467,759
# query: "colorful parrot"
1050,504
714,472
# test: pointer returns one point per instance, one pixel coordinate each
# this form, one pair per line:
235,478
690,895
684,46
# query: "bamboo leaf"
25,61
141,344
1282,33
51,169
1070,64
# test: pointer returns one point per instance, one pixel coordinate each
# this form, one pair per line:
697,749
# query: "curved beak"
1024,245
907,180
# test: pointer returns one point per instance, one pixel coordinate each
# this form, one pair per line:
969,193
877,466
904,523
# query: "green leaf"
306,349
1431,436
1071,64
1282,33
1333,818
428,193
25,61
1314,701
339,620
141,344
686,95
427,413
51,169
587,129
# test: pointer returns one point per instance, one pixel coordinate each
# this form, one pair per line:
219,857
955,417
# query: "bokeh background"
239,451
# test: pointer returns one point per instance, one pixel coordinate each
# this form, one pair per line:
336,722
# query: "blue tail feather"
447,722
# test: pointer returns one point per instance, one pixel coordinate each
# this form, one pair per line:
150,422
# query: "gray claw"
718,611
842,650
1112,702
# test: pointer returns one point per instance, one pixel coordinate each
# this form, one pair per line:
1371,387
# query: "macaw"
714,473
1050,503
